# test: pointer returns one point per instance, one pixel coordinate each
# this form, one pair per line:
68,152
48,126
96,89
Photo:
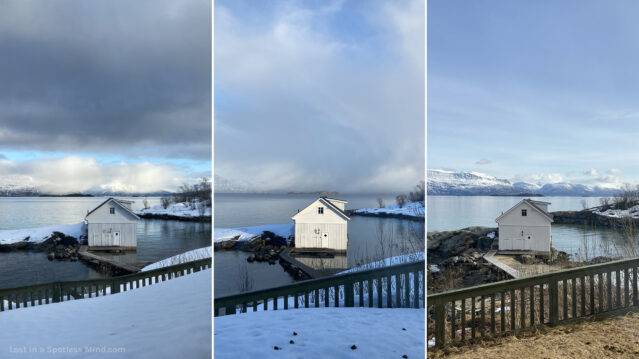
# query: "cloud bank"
320,97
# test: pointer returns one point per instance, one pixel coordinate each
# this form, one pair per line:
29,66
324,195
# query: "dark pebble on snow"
405,356
276,347
353,346
403,328
294,333
292,342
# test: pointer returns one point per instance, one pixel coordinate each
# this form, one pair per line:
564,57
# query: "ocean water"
370,238
157,239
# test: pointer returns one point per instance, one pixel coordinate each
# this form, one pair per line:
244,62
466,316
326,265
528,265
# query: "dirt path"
612,338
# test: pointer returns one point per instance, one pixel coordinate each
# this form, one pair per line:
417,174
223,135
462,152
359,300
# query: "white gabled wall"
514,229
311,225
101,226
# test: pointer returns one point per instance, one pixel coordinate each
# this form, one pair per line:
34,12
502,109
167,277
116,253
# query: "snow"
491,235
435,268
37,235
189,256
618,213
322,333
412,209
246,233
176,209
401,259
171,319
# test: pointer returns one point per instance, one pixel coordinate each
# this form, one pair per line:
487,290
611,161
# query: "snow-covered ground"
189,256
411,209
322,333
401,259
37,235
618,213
246,233
177,209
171,319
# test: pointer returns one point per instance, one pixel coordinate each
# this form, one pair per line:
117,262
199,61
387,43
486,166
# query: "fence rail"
399,286
549,298
54,292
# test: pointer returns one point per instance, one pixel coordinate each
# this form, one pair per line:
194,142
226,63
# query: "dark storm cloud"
119,77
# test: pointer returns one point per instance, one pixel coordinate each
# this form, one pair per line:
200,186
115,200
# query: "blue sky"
319,95
107,95
540,91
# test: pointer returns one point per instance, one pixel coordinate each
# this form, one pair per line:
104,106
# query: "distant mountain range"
32,191
452,183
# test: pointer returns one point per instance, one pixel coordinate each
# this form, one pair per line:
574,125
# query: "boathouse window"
112,210
523,212
320,210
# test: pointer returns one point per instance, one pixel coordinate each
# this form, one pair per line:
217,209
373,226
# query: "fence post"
440,322
348,294
115,286
553,306
57,290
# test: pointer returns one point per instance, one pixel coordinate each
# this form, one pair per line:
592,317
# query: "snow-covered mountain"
453,183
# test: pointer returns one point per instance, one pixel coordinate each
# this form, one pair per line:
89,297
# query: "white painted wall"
530,232
315,230
102,227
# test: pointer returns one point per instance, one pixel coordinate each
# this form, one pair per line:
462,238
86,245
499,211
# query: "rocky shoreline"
455,259
266,247
351,212
587,217
175,218
58,246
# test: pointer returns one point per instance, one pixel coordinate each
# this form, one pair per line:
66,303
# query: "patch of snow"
411,209
322,333
171,319
182,209
401,259
435,267
189,256
246,233
618,213
491,235
431,342
41,234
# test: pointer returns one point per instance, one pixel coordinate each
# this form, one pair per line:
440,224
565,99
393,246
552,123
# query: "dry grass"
612,338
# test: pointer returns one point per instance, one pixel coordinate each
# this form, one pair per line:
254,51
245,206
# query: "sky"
319,95
537,91
105,95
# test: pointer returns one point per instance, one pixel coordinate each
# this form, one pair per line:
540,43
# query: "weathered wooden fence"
398,286
551,298
40,294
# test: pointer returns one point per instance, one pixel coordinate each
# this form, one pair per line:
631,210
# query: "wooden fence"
398,286
40,294
517,304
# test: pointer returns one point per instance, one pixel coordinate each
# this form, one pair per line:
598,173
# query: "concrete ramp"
490,257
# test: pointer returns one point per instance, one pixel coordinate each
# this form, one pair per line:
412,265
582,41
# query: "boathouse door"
116,238
324,240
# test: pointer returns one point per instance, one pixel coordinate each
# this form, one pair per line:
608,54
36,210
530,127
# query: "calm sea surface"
369,238
456,212
157,239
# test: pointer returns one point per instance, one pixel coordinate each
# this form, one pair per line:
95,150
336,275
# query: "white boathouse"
526,227
112,225
322,225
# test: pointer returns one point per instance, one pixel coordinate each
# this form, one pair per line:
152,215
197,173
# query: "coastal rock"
51,256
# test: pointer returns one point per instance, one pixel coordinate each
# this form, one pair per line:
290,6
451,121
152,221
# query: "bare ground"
616,337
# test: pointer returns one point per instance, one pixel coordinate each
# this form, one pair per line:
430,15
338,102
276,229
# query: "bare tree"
401,200
419,194
380,202
245,283
145,203
165,201
584,204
